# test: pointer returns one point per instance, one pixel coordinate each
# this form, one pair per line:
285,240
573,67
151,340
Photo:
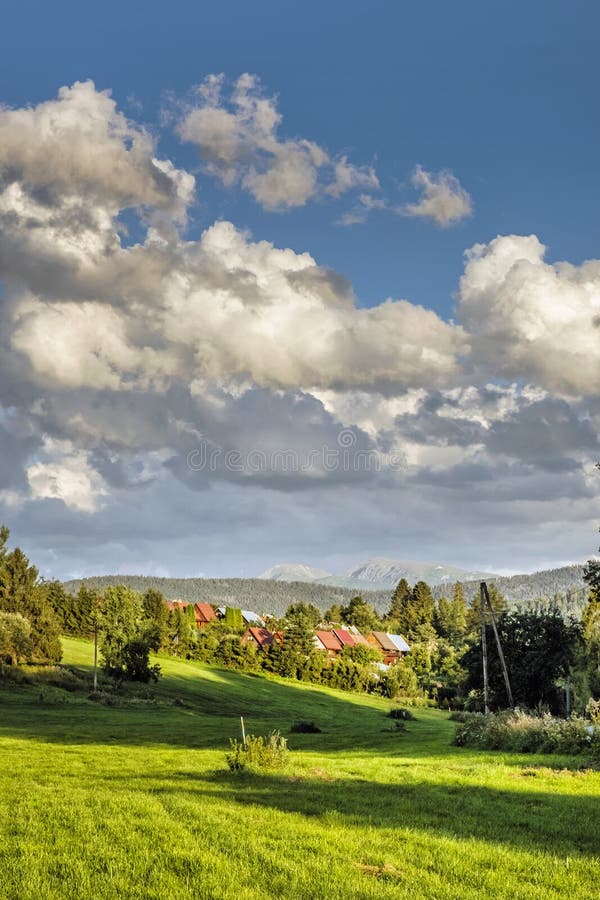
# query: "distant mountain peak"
293,572
376,573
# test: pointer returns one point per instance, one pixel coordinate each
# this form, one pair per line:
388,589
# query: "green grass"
136,800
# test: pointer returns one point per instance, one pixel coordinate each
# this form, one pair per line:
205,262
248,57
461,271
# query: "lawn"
136,800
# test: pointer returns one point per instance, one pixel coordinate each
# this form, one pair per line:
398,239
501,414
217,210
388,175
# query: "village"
331,641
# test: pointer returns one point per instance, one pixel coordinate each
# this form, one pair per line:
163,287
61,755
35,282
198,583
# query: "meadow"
136,801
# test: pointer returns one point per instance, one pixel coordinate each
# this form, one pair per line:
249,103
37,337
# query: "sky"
299,283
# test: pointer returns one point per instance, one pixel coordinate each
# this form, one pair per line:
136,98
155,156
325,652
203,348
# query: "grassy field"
136,800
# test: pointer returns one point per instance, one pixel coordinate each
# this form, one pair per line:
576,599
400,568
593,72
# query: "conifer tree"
399,604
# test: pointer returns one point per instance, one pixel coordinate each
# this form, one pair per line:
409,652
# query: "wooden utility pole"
485,600
95,658
486,693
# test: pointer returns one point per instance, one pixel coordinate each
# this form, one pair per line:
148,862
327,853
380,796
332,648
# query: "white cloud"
443,199
117,360
68,167
65,474
531,319
231,308
239,142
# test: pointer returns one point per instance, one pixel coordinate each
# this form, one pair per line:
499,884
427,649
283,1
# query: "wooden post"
485,593
243,732
486,696
95,659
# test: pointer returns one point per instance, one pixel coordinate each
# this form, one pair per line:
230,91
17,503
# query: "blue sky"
501,96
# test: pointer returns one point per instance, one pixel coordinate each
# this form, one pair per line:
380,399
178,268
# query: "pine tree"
22,593
451,617
399,604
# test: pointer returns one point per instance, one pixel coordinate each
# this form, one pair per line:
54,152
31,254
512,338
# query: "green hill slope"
135,801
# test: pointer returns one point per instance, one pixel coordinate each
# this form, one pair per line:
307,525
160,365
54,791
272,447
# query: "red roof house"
259,637
203,614
344,637
327,640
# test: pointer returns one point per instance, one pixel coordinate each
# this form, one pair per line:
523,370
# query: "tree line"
544,648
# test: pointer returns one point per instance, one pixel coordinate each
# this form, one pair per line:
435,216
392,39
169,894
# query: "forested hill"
256,594
564,587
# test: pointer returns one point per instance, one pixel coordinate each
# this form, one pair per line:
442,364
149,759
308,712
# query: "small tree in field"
15,638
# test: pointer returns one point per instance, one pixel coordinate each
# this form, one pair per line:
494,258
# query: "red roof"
262,636
204,612
344,637
175,604
329,640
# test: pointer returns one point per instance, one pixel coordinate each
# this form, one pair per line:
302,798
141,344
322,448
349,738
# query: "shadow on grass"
565,825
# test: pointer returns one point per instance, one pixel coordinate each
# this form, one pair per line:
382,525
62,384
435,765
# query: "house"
392,646
400,643
329,642
203,614
261,638
344,637
251,618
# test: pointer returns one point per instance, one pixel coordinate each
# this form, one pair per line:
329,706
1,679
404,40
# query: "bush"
523,733
400,713
259,753
305,728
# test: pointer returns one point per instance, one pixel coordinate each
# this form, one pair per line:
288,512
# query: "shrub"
400,713
523,733
258,752
305,728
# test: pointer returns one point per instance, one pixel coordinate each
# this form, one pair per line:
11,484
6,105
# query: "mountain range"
376,574
563,587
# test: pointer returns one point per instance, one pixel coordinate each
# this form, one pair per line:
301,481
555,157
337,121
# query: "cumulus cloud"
64,473
532,319
68,167
119,359
238,140
443,199
230,308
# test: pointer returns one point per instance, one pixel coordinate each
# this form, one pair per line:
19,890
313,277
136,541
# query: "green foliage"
399,681
523,733
233,618
590,633
333,614
360,614
23,594
258,753
451,617
156,616
305,612
303,727
135,660
398,609
235,655
15,638
538,650
363,655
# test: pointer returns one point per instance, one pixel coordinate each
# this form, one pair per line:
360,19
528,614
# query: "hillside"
135,800
564,586
257,594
